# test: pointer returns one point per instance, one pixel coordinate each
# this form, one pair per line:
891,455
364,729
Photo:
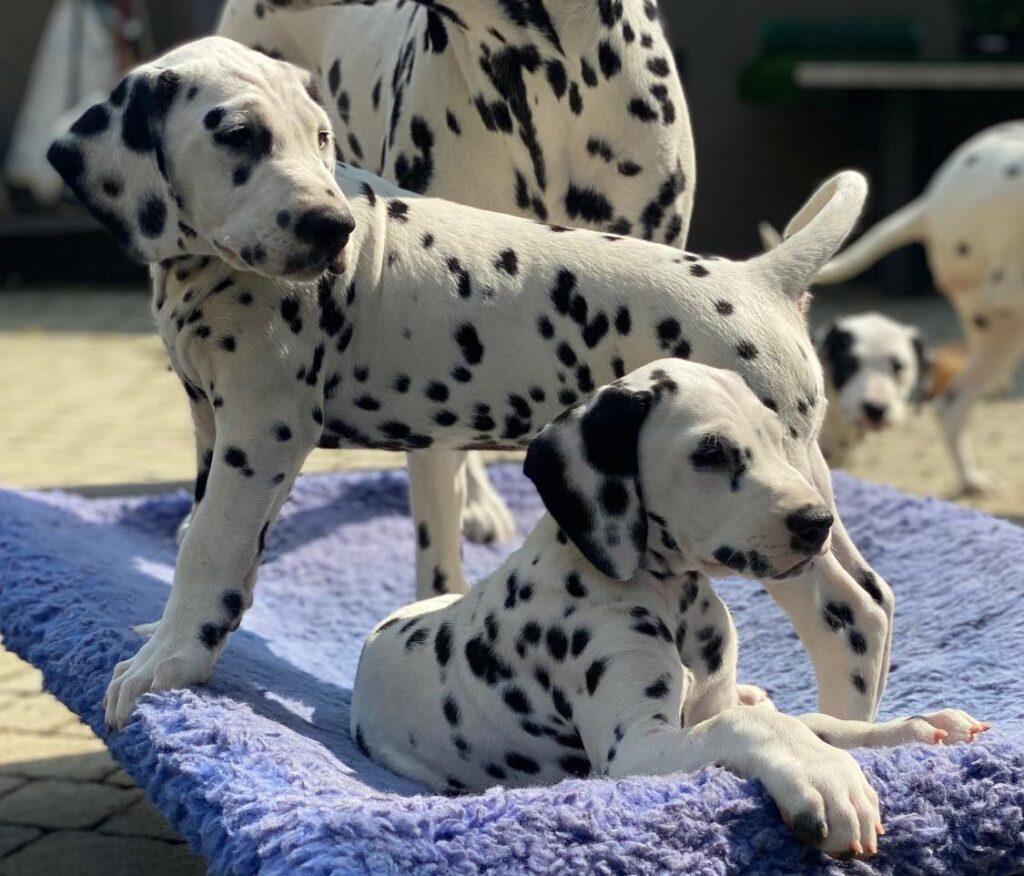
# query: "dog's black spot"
658,689
594,673
451,711
521,763
580,640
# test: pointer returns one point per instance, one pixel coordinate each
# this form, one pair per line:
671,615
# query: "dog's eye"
236,138
897,366
709,455
323,138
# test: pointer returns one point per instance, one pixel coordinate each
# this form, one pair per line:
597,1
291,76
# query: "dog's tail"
814,234
906,225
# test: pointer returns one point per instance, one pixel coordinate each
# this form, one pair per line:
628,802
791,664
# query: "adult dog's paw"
825,798
162,663
979,483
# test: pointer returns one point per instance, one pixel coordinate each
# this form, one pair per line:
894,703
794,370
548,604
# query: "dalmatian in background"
969,220
875,369
549,668
560,110
305,308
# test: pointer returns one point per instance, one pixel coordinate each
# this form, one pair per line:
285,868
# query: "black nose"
875,413
810,528
325,229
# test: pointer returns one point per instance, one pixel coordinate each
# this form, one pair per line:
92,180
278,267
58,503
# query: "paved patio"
91,405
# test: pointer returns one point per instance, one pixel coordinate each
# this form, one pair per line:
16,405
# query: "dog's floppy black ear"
585,467
925,362
113,159
835,346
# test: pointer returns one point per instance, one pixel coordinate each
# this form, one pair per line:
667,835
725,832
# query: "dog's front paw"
162,663
486,518
825,798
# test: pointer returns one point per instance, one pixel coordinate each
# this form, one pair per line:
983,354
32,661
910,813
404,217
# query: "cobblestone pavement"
89,403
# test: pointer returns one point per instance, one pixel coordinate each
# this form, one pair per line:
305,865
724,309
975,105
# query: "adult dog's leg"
842,610
992,355
437,490
256,457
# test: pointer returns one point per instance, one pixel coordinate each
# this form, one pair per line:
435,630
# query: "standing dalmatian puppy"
567,111
550,668
336,310
875,368
969,220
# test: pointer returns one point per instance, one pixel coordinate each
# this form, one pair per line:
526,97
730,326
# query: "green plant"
992,15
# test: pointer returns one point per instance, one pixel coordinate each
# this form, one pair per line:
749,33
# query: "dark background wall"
759,162
755,161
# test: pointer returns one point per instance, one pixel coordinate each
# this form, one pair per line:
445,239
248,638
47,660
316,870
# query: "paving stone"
57,805
25,680
140,819
42,713
120,778
9,783
40,757
92,854
13,836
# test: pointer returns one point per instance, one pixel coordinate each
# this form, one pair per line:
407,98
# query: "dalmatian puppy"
554,109
303,310
551,668
875,369
968,220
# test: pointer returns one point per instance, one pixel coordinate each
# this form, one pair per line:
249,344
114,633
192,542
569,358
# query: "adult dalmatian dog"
304,303
550,668
968,219
567,111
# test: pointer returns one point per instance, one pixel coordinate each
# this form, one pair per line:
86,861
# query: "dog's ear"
814,234
585,467
113,159
925,363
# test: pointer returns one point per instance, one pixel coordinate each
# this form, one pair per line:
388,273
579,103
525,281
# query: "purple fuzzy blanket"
259,772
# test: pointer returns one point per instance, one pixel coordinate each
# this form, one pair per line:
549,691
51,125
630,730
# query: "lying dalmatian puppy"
875,369
552,109
968,220
307,308
550,668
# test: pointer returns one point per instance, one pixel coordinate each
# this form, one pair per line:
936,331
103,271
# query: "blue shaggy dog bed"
259,772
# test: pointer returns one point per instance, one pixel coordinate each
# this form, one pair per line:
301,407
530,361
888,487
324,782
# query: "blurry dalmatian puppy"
875,369
556,110
551,668
969,219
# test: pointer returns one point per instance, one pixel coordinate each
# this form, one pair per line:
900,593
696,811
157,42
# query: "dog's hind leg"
437,494
485,516
992,356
